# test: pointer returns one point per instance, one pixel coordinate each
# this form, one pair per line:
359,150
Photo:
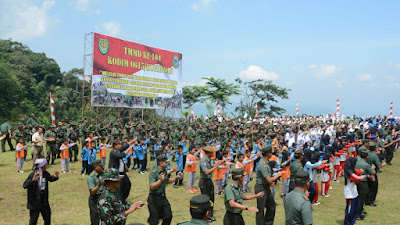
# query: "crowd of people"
304,153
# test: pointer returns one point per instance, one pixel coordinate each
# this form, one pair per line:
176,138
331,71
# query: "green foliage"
262,92
220,91
185,113
194,94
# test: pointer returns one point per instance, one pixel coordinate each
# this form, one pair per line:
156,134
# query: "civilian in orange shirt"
20,151
191,168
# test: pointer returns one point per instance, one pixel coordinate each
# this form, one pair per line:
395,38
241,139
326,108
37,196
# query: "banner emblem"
103,46
176,62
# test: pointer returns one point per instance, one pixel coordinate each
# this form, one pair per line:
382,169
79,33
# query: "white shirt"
350,190
37,137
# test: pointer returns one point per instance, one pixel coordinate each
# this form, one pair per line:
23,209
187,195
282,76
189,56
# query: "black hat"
162,158
201,202
266,150
302,177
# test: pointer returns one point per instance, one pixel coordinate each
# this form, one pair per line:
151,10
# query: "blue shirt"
185,150
85,154
179,161
140,152
91,156
268,142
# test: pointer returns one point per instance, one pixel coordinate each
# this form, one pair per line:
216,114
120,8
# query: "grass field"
69,198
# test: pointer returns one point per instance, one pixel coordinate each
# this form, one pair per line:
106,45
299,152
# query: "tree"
193,94
262,92
220,91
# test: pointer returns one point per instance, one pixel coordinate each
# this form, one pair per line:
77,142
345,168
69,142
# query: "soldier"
95,189
51,145
206,185
298,208
83,130
73,136
159,207
112,209
32,123
234,199
362,186
295,167
263,180
116,132
5,129
60,137
200,207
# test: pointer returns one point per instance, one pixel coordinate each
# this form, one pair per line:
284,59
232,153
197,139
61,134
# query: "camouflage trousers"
51,153
73,152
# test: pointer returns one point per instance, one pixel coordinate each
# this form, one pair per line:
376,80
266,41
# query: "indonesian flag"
256,107
191,112
337,109
391,110
297,109
53,118
219,109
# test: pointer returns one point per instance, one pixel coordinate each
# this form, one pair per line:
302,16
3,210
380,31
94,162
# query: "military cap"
238,172
371,144
162,158
298,153
53,126
20,125
32,114
22,118
208,149
302,176
266,150
111,174
97,162
73,124
363,152
201,201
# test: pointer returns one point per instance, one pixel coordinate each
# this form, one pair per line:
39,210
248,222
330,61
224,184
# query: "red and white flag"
191,112
53,117
219,110
391,110
256,107
337,109
297,109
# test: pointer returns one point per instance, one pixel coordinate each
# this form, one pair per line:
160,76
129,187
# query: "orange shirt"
248,167
64,153
89,139
224,170
214,156
193,167
202,154
103,153
273,158
21,153
239,165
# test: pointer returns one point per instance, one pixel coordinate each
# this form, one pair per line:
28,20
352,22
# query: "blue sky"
320,50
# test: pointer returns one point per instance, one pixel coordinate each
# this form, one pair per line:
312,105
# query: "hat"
40,162
302,176
162,158
97,162
371,144
73,124
53,126
111,174
298,153
373,137
208,149
238,172
201,201
32,114
363,152
266,150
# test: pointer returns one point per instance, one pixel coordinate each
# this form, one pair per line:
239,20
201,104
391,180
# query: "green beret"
201,202
364,152
298,153
266,150
97,162
371,144
162,158
238,172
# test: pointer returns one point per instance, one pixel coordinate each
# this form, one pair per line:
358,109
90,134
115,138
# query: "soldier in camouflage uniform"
73,136
83,130
113,211
116,132
51,146
61,134
32,123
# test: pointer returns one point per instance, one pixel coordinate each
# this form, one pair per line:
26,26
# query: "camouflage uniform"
73,136
111,207
60,137
51,149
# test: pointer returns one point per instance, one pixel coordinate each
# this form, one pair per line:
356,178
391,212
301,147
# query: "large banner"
131,75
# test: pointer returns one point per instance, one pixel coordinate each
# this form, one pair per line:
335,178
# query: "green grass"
69,198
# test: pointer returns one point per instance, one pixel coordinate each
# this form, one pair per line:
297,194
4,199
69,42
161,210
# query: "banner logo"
103,46
176,61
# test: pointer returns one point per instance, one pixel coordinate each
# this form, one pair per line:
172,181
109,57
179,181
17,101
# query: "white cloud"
202,4
112,28
365,77
396,85
24,20
324,70
339,84
202,82
256,72
86,6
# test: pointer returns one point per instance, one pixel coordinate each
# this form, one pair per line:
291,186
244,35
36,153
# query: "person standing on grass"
95,189
85,158
65,155
234,199
5,129
38,192
20,153
37,141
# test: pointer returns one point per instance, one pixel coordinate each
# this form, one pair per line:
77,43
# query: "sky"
321,50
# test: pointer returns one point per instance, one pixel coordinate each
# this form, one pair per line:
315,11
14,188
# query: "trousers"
233,219
207,188
265,217
352,211
94,211
159,208
46,215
